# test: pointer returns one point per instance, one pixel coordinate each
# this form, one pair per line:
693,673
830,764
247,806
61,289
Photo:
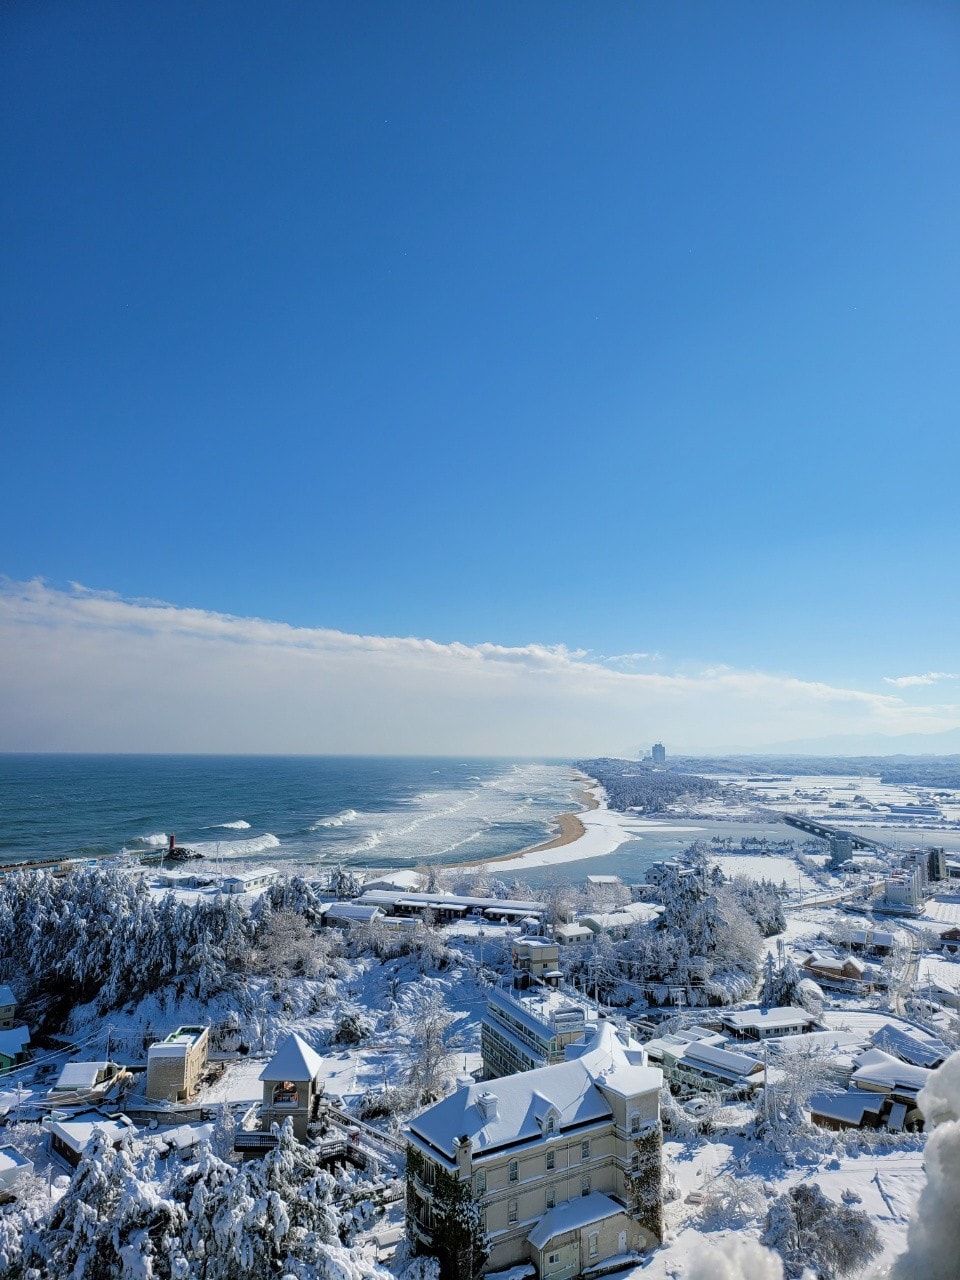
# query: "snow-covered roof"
542,1010
573,1215
449,900
11,1158
14,1040
573,931
80,1075
523,1100
698,1055
177,1043
623,918
7,996
354,912
254,873
912,1049
294,1060
883,1070
765,1019
850,1107
674,1042
405,881
185,1136
80,1128
820,960
872,938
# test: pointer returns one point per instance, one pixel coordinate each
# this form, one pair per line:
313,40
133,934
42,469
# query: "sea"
299,812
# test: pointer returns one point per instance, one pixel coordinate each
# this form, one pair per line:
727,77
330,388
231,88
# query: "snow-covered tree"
808,1229
431,1048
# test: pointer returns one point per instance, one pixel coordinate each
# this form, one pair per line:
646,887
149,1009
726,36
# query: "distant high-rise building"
659,755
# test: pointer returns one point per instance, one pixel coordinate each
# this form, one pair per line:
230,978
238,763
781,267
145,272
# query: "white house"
761,1024
251,881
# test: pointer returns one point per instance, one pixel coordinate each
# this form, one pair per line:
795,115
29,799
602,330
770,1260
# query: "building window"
551,1126
481,1183
635,1122
514,1171
512,1211
594,1239
584,1150
551,1159
551,1198
584,1186
427,1174
553,1259
635,1162
285,1094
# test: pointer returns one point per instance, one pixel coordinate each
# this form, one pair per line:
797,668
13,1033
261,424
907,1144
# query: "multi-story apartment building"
527,1028
559,1166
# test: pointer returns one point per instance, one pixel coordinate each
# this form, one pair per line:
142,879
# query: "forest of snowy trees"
706,942
633,784
134,1214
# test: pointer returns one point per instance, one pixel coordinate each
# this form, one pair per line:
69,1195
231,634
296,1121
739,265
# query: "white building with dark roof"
561,1163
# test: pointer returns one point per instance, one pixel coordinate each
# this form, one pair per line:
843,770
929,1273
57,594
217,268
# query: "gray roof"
523,1100
573,1215
786,1016
294,1060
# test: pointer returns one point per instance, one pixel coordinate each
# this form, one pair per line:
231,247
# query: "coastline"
571,828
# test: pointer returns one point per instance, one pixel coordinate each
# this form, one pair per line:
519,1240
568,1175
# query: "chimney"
487,1102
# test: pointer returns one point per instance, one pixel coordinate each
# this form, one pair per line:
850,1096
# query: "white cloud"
84,670
929,677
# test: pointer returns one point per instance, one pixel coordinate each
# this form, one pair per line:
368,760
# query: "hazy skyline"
575,331
89,671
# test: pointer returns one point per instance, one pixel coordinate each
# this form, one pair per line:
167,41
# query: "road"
906,983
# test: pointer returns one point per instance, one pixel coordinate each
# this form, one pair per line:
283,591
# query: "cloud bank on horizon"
84,670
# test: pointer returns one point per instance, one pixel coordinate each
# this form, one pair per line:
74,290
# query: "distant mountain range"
946,743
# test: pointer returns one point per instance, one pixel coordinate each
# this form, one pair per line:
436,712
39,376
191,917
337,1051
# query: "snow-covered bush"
352,1027
732,1202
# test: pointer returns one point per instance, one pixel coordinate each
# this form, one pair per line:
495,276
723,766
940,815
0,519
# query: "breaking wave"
239,825
154,841
340,820
239,848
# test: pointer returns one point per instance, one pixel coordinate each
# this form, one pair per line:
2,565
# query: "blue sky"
623,327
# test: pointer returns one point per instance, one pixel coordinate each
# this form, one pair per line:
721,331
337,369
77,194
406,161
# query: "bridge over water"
814,828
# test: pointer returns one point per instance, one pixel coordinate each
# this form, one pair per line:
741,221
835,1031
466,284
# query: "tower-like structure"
659,755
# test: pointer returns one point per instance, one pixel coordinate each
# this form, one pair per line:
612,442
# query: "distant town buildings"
658,755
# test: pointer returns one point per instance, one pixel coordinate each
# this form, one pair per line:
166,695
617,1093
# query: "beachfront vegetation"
634,784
